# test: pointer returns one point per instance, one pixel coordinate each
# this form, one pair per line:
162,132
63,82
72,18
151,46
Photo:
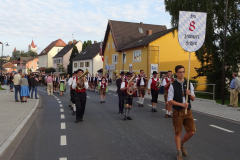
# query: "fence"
213,93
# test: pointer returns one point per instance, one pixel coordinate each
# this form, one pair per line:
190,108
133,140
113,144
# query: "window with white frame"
75,65
81,64
106,60
114,58
108,46
124,57
137,56
113,45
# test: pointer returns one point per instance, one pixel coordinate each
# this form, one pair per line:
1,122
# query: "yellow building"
143,46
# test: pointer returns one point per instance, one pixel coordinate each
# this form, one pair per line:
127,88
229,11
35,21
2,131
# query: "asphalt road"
103,135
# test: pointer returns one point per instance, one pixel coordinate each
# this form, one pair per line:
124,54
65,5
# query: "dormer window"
140,30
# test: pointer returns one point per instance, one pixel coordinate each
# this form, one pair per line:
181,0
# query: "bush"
50,70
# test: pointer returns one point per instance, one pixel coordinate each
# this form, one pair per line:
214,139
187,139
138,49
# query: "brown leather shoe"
184,151
166,115
179,157
170,116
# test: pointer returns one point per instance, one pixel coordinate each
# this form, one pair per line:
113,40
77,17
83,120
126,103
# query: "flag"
101,51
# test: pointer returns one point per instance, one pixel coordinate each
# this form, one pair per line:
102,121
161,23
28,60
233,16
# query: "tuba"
131,84
81,86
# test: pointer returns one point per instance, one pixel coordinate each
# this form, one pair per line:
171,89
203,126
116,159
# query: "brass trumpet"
81,86
131,86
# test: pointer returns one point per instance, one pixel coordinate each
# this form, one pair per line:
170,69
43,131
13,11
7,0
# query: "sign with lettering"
191,30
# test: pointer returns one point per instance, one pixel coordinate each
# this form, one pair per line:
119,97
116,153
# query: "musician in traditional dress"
128,87
120,93
72,92
153,86
177,97
141,84
80,86
103,86
167,81
96,82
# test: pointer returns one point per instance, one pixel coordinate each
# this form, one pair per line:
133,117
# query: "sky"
45,21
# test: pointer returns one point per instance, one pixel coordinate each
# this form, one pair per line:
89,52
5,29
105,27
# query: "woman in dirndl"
24,88
62,84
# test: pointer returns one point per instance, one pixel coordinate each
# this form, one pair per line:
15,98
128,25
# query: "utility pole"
224,53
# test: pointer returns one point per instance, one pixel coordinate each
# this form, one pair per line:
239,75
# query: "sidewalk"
204,106
13,116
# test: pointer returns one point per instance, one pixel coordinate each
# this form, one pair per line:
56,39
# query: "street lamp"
224,53
6,44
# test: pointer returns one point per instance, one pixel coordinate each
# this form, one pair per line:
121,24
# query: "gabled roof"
9,65
65,50
124,33
14,62
143,41
57,43
88,53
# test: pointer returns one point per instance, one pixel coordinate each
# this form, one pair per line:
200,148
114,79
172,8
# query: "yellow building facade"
164,53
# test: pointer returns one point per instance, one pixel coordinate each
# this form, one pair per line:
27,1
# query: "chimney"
95,42
74,41
149,32
70,42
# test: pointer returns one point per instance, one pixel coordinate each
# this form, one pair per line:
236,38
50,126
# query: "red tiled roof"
33,45
9,65
13,62
57,43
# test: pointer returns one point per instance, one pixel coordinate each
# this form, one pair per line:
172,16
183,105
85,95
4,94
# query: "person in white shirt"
103,85
80,86
141,84
153,86
177,97
166,83
72,92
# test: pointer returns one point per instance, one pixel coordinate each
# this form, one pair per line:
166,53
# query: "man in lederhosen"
72,92
80,86
166,83
128,98
141,84
120,93
152,85
177,98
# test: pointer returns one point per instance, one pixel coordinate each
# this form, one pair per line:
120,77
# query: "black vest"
178,94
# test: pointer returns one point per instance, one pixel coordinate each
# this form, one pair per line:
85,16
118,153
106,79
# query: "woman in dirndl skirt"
24,88
62,84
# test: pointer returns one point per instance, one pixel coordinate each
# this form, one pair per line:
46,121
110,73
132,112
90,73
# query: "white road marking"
59,101
62,116
88,97
109,93
63,140
138,101
63,158
195,119
163,109
61,110
63,126
114,94
60,105
221,128
149,105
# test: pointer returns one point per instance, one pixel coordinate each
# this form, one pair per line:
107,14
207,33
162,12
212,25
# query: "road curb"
4,154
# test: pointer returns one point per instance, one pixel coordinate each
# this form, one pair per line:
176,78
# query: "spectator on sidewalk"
11,82
34,84
29,84
24,88
49,82
16,81
234,89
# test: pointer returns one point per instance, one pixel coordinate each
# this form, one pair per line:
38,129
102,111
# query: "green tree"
86,43
210,54
32,54
50,70
61,67
15,55
73,54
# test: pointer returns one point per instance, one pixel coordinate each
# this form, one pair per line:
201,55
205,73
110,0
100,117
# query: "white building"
32,47
89,59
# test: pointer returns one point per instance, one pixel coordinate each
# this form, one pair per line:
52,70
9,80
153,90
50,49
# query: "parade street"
103,135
